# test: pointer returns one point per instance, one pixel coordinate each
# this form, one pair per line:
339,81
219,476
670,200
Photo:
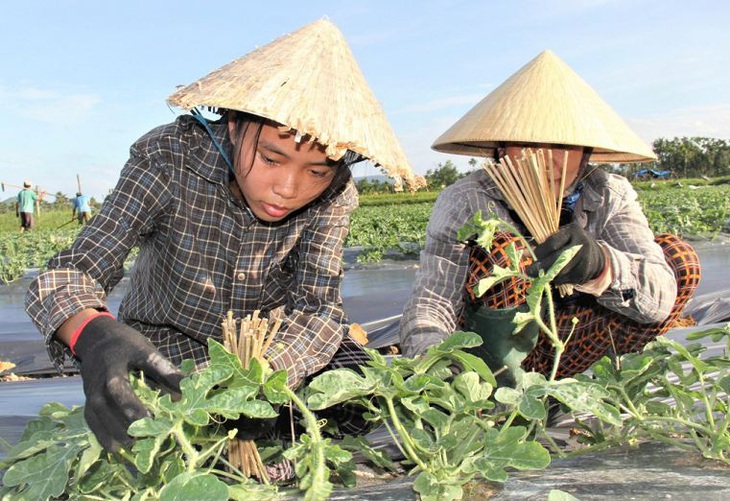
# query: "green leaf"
508,395
198,486
275,387
469,385
424,440
234,402
514,256
89,456
44,431
658,408
715,333
506,448
469,438
435,418
561,262
147,449
474,363
423,382
479,229
522,319
498,275
377,457
724,383
417,404
106,476
531,405
457,341
336,386
431,489
253,491
342,462
585,397
699,365
45,475
203,395
558,495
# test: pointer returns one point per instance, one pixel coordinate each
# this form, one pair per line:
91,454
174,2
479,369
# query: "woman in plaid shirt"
630,285
247,212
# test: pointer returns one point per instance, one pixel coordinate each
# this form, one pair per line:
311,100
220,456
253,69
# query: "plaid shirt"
201,254
644,288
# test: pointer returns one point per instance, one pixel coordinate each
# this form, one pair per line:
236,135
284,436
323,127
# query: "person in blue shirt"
81,208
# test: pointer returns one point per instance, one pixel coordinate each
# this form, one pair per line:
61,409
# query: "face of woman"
276,175
574,154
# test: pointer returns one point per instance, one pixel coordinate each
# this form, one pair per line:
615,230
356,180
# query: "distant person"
629,284
25,206
245,211
81,208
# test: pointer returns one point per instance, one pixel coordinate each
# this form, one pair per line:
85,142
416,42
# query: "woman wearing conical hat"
628,286
243,213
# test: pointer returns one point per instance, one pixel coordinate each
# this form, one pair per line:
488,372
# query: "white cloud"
708,121
48,105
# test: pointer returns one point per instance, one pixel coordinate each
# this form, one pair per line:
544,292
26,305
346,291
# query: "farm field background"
394,225
390,226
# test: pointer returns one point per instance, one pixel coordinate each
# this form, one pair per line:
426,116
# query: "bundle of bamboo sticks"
249,340
528,185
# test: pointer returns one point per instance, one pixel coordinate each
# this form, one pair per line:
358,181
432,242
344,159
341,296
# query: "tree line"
682,157
693,156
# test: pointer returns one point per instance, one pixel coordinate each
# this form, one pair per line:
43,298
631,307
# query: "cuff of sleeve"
602,282
282,359
80,328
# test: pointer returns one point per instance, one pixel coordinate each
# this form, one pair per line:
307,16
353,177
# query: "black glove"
586,265
109,351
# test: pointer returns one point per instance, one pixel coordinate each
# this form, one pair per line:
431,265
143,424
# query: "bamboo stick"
528,185
250,340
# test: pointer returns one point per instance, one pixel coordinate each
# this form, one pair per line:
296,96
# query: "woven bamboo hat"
309,81
545,102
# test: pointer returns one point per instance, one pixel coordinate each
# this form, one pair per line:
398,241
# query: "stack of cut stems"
528,185
249,340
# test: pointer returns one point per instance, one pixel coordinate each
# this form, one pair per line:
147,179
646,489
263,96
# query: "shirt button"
241,276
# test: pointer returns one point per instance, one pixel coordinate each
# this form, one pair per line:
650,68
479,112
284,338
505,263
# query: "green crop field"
395,224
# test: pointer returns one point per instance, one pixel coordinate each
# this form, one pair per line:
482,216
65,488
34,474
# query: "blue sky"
82,79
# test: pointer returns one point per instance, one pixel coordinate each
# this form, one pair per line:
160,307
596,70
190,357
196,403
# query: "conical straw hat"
309,81
545,102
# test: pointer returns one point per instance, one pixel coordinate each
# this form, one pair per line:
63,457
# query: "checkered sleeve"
437,299
81,276
643,287
316,322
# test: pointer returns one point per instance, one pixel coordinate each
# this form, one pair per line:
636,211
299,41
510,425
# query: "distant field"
396,223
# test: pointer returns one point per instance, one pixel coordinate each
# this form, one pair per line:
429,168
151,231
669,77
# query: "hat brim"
544,102
310,82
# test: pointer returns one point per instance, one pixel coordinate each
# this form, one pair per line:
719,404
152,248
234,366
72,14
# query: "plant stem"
319,476
191,455
404,436
395,436
558,451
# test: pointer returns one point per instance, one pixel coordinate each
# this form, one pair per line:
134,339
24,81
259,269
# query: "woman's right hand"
109,351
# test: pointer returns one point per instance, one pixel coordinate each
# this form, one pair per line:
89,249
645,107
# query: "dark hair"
245,120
